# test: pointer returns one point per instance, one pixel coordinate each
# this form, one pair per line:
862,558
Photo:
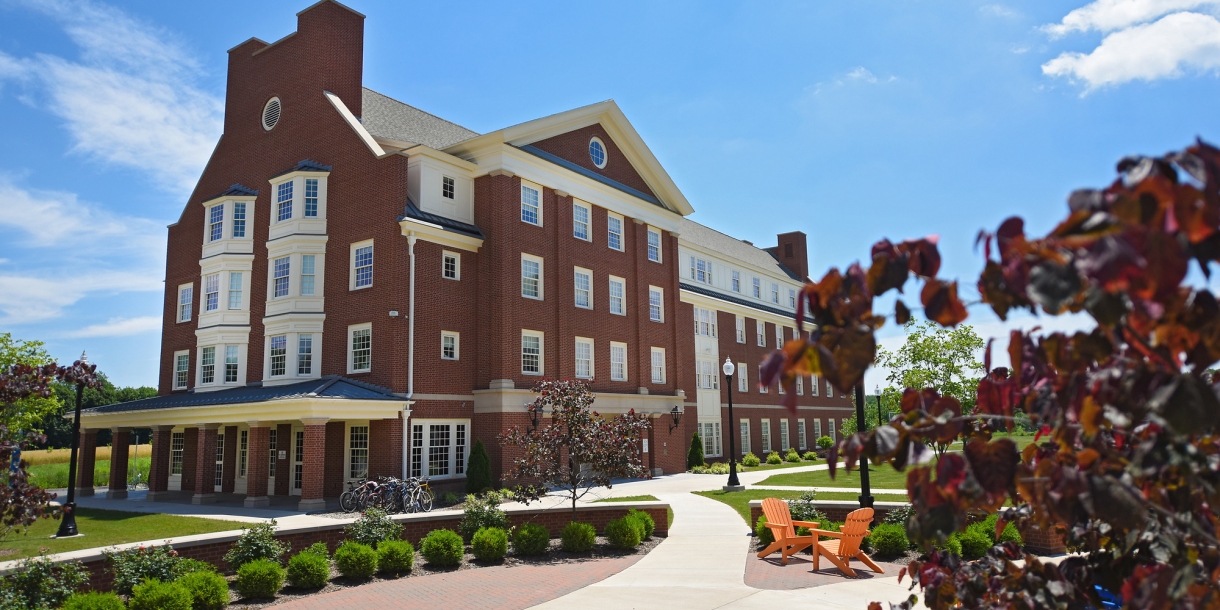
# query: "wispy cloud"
131,98
1110,15
120,327
999,10
856,75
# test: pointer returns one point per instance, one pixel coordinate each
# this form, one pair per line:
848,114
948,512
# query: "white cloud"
120,327
132,98
1162,49
33,298
1110,15
858,74
999,10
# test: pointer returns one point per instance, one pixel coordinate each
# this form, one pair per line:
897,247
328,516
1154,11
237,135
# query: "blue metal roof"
538,152
331,387
707,292
236,190
412,211
305,165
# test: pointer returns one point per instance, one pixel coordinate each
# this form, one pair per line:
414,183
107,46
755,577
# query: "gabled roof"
715,241
615,123
560,161
385,117
327,387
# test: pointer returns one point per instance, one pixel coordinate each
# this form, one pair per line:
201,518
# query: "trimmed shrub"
763,532
1010,533
318,548
810,456
442,548
647,524
356,560
578,537
694,457
805,509
373,526
974,541
478,469
395,556
256,542
773,458
715,468
189,566
156,595
792,456
623,533
135,566
889,540
900,515
952,545
531,539
208,590
38,582
825,442
489,544
259,579
480,511
750,460
94,601
308,569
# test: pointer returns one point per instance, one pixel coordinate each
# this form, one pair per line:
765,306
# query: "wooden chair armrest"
776,524
809,524
826,533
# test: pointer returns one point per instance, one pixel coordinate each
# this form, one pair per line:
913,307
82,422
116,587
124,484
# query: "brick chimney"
793,252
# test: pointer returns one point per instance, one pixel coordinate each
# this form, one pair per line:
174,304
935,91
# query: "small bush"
578,537
889,540
135,566
694,457
623,533
157,595
395,556
449,499
489,544
531,539
715,468
208,590
976,540
308,569
952,545
773,458
259,579
763,532
647,524
94,601
750,460
825,442
480,511
373,526
1010,533
318,548
478,469
256,542
810,456
190,566
792,456
39,582
804,509
442,548
356,560
900,515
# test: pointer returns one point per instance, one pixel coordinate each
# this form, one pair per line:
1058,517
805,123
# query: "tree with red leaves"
578,449
1127,461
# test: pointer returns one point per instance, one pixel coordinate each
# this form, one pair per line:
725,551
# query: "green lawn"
643,498
880,477
103,528
55,476
740,500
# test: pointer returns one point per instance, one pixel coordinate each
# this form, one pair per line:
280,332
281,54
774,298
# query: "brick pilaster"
88,459
256,466
158,471
332,486
190,453
313,480
385,448
230,460
283,467
205,465
120,440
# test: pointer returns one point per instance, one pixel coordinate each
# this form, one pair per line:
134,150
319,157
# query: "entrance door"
220,461
298,459
271,443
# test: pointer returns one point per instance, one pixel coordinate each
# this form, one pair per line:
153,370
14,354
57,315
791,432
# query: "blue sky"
849,121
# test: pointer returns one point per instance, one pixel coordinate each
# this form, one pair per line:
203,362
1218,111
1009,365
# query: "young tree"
1130,468
945,359
578,449
478,470
694,457
29,412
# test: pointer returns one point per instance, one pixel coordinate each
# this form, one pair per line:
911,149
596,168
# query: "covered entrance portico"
303,439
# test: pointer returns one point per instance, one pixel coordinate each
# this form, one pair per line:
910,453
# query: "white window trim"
610,294
785,435
588,273
800,385
661,292
186,382
760,330
832,433
453,187
605,153
652,365
287,349
744,435
802,434
588,225
521,203
735,281
541,276
741,329
817,429
453,424
178,305
756,288
710,432
592,358
622,237
743,378
541,351
779,337
457,344
660,245
762,389
351,265
626,361
457,265
814,385
351,353
765,430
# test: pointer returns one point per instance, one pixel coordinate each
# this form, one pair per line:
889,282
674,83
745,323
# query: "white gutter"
406,428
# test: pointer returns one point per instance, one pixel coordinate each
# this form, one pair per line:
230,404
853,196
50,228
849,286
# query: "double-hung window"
801,443
743,374
360,348
814,385
654,245
760,330
239,219
658,365
711,438
216,222
207,365
279,355
700,270
186,294
617,291
439,448
817,429
832,432
362,266
311,197
580,221
757,285
283,201
531,205
449,345
775,293
741,329
705,322
583,279
784,439
745,436
792,297
235,289
736,281
182,368
614,231
304,354
656,304
584,358
280,268
211,292
447,187
800,385
779,337
618,361
358,452
177,442
308,273
707,375
830,390
531,352
531,277
230,364
765,430
762,389
451,266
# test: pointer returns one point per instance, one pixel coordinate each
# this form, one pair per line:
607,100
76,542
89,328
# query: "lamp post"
880,420
734,484
866,496
67,525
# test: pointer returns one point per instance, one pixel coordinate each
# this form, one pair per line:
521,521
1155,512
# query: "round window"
597,152
271,113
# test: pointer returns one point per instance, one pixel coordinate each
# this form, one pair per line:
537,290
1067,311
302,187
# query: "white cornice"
271,410
439,235
420,150
706,302
215,200
355,124
310,173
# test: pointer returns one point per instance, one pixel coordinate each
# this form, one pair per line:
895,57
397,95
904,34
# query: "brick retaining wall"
212,547
835,510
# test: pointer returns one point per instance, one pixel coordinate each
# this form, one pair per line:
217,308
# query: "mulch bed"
555,556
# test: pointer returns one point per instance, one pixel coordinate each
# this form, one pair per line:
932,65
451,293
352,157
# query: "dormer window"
226,220
239,219
216,222
298,201
283,201
311,197
447,187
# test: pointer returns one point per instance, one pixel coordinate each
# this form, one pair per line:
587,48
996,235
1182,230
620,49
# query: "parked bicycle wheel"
425,499
348,501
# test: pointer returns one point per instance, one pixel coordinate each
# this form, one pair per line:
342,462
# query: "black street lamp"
676,414
67,525
866,496
880,420
734,484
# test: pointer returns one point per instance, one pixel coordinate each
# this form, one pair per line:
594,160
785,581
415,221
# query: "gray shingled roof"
731,247
329,386
387,117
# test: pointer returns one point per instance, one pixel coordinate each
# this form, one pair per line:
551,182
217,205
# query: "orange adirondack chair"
779,521
840,552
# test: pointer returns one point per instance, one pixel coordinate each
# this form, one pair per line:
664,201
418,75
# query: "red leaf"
941,304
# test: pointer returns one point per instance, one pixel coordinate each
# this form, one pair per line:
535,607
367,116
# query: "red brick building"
357,286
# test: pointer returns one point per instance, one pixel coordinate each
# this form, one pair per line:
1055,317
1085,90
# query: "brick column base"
313,479
256,469
158,470
88,459
205,466
120,440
